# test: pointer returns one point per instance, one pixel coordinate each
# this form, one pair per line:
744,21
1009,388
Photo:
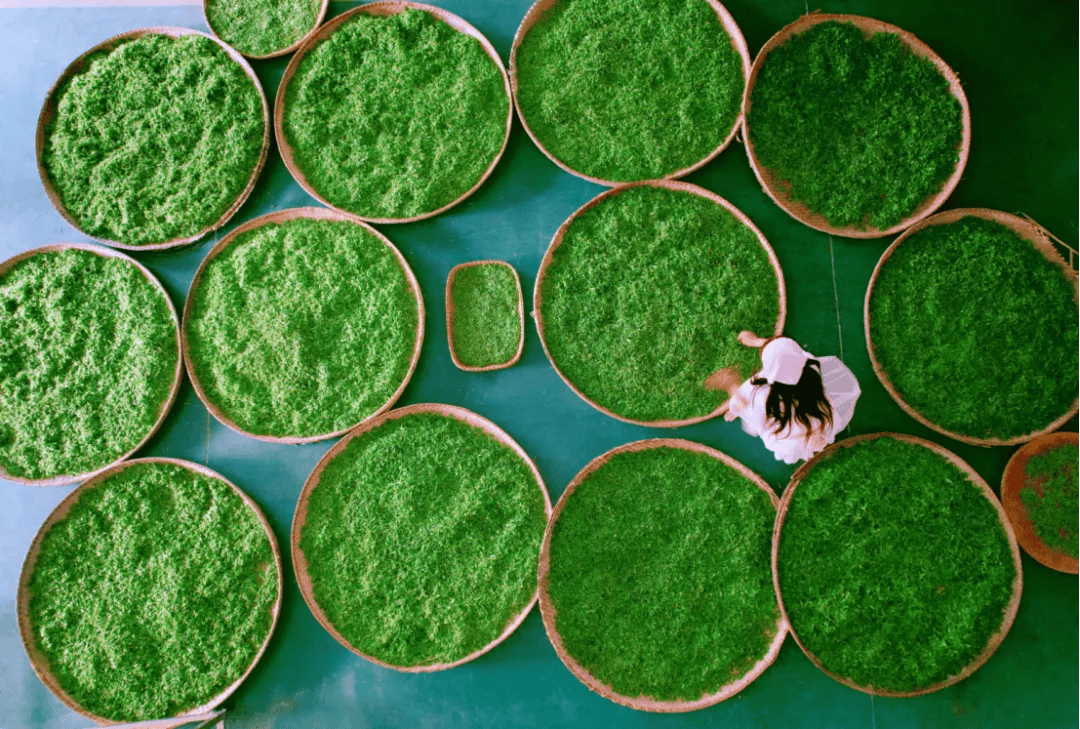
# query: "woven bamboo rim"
165,406
274,54
1026,230
450,317
977,480
382,8
666,185
37,659
278,217
548,612
1011,483
536,13
778,189
300,563
48,111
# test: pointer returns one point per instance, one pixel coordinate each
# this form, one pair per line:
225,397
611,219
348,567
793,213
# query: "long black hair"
801,402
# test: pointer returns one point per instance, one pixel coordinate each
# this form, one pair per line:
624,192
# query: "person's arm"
728,380
749,339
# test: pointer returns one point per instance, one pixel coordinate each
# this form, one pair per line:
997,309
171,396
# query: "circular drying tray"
667,185
382,8
282,216
776,189
38,661
165,407
1023,228
324,4
78,66
536,13
450,317
548,612
300,563
1017,586
1011,483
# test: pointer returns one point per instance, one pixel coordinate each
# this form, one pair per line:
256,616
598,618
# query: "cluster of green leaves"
894,568
487,325
393,117
88,362
154,593
261,27
629,90
422,539
155,140
302,328
645,297
969,359
660,574
862,129
1049,496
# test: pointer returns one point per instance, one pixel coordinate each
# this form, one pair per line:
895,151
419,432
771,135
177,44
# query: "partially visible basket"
164,406
541,8
323,4
1012,481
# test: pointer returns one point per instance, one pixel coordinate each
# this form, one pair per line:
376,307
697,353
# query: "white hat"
782,360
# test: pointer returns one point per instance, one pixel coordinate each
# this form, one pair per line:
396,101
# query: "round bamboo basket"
779,190
1026,230
165,406
78,66
382,8
278,217
1017,587
450,318
300,562
37,659
274,54
549,613
536,13
1011,483
667,185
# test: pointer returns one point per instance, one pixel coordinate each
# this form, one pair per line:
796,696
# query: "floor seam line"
836,299
873,715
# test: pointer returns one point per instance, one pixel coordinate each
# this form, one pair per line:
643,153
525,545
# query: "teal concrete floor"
1017,60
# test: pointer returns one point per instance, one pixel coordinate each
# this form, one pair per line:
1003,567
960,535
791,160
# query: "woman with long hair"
796,403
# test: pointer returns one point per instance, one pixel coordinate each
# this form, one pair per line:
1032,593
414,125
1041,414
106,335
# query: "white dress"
791,445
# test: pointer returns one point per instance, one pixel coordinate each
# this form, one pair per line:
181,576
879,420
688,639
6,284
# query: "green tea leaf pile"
422,539
970,359
660,575
155,140
1049,496
154,593
627,90
862,129
894,567
88,362
261,27
645,296
394,117
487,325
302,328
